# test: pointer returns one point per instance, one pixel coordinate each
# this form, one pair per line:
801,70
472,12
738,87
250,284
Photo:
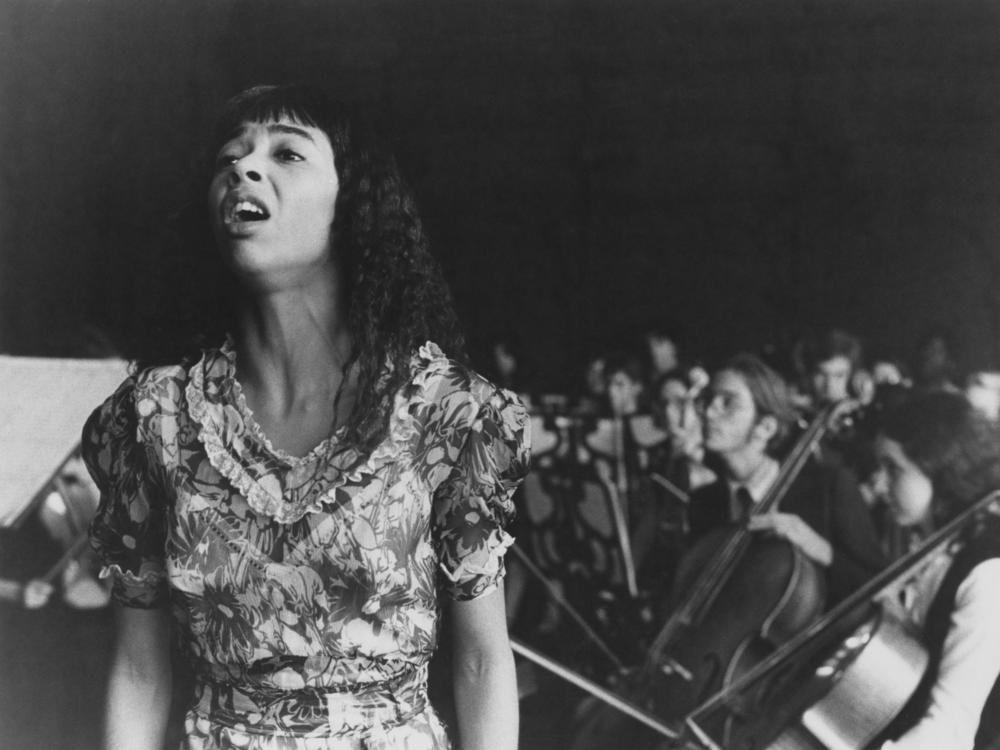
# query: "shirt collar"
760,481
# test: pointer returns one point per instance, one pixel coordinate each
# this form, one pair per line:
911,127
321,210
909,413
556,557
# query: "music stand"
43,405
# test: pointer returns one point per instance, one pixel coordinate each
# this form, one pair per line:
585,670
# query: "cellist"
749,413
937,455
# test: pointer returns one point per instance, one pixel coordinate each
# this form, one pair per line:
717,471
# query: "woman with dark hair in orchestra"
748,416
675,396
675,469
938,455
312,470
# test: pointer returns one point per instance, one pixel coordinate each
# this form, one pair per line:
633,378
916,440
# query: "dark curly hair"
396,296
953,444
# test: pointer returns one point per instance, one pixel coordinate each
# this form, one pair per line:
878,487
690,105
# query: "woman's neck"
292,344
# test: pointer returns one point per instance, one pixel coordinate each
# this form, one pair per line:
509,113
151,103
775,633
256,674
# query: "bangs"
302,105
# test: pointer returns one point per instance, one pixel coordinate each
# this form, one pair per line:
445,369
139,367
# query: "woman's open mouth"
244,210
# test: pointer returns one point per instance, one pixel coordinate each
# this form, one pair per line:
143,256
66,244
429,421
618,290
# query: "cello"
741,597
853,670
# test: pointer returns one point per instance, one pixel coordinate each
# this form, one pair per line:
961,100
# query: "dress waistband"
366,710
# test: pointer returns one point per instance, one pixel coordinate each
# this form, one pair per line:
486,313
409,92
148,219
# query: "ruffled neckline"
276,483
250,420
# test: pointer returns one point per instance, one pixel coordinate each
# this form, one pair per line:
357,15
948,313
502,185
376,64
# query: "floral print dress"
306,589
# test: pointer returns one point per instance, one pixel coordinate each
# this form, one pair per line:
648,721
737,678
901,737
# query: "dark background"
739,169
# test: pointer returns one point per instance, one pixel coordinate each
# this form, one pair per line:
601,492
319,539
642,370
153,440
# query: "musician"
832,362
623,384
935,362
937,455
594,391
835,374
676,467
748,416
675,411
662,352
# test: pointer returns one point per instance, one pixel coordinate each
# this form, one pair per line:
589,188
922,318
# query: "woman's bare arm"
139,690
484,679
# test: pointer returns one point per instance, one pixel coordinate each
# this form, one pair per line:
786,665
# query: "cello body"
842,699
775,592
883,661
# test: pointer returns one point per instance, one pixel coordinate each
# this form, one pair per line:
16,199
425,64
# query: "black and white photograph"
549,374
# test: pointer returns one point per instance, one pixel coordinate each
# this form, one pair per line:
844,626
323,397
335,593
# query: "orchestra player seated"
676,468
623,385
593,391
937,456
935,362
831,362
662,351
749,413
682,460
835,375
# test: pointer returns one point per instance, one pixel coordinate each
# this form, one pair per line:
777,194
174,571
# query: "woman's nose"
243,171
236,176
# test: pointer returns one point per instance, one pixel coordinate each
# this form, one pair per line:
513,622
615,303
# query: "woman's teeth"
247,211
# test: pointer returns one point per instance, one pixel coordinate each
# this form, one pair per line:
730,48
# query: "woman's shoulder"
449,399
162,380
159,377
438,377
143,392
982,542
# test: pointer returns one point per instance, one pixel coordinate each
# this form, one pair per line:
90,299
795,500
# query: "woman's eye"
286,154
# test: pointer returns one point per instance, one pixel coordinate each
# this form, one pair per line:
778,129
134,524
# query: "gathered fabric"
391,714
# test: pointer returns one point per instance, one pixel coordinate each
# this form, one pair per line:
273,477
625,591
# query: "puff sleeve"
129,531
474,504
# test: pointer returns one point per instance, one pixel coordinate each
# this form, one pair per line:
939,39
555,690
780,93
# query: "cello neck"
805,447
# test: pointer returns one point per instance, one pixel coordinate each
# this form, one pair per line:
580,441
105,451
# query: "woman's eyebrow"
282,128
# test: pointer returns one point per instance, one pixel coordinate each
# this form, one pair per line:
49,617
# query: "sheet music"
43,405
